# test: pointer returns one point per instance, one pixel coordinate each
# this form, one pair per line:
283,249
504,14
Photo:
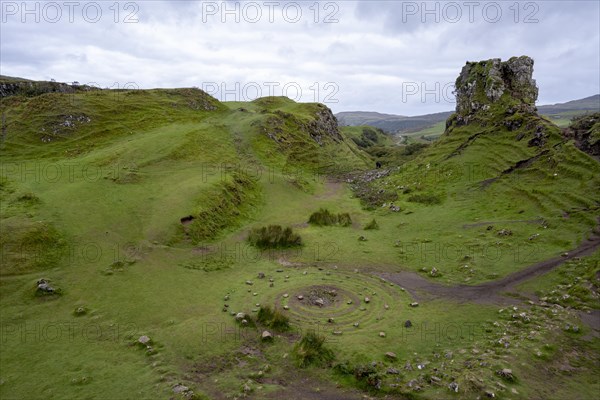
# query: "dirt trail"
490,292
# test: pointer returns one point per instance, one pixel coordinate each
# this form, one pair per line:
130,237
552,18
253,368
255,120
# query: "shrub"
311,350
273,319
324,217
372,225
428,199
274,236
344,219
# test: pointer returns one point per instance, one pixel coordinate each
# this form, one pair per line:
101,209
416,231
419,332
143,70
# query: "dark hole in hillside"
187,220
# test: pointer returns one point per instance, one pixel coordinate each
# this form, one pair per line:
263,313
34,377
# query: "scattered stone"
271,280
304,273
507,374
244,322
367,300
420,366
392,371
381,334
337,333
387,307
285,295
414,304
330,320
453,386
408,366
240,316
434,272
44,287
490,394
80,311
279,270
300,297
179,388
226,298
261,275
407,324
356,324
349,302
145,340
286,307
390,355
319,302
267,336
254,294
249,283
257,305
362,239
505,232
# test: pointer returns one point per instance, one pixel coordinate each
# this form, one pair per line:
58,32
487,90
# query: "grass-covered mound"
223,207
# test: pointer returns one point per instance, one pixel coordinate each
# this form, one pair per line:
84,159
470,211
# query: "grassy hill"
136,206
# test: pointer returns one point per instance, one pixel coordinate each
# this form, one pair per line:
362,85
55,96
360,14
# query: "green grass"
107,231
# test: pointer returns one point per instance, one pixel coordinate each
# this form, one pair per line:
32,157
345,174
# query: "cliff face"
483,84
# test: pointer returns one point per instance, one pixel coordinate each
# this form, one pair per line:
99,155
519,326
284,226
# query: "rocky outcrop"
485,83
36,88
325,125
585,130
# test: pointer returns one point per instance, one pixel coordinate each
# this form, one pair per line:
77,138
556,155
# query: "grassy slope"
147,159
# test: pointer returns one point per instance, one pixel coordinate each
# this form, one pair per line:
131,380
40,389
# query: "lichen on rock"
483,84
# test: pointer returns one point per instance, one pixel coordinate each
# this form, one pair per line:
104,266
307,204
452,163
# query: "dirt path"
490,292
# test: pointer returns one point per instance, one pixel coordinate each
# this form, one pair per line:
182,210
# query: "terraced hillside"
162,244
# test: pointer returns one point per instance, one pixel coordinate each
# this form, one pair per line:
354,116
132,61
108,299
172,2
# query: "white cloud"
371,55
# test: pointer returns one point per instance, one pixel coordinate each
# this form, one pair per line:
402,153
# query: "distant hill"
389,122
591,103
560,113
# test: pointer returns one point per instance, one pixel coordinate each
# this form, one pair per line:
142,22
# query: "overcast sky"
396,57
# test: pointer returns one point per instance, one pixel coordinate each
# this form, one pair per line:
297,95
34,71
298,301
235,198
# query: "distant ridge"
392,123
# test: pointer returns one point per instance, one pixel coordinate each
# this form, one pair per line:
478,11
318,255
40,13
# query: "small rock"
453,386
330,320
356,324
367,300
266,336
300,297
392,371
286,307
240,316
145,340
490,394
390,355
261,275
414,304
386,306
381,334
337,333
179,388
249,283
285,295
407,324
